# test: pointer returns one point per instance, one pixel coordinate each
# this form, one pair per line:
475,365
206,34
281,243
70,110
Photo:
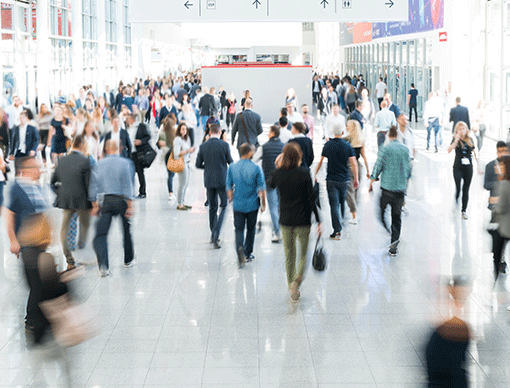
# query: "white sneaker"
464,216
354,221
276,238
171,197
104,272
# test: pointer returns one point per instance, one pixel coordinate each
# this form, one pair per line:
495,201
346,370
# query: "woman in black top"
306,144
297,202
464,148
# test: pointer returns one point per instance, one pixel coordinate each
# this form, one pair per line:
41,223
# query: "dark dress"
58,142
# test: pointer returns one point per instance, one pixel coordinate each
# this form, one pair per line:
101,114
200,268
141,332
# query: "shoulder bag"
319,260
245,130
176,166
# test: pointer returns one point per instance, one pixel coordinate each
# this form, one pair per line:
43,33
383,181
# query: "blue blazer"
459,113
31,139
395,109
213,157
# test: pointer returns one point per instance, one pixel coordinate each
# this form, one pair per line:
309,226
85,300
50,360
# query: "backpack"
232,108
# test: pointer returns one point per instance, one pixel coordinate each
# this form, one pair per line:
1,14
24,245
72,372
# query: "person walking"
433,118
71,182
120,137
412,101
248,126
464,148
182,147
502,213
480,123
355,139
231,110
384,119
207,107
298,132
308,120
336,117
380,90
393,165
297,203
25,138
270,151
214,157
247,190
459,113
139,137
166,144
340,157
112,195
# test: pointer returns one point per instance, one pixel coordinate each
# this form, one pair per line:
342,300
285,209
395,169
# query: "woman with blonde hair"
92,139
464,147
43,120
166,143
231,110
355,139
97,119
297,203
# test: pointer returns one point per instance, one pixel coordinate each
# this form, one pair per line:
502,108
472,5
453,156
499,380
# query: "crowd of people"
93,146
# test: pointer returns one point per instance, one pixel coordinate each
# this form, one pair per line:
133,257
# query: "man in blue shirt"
115,184
393,164
245,185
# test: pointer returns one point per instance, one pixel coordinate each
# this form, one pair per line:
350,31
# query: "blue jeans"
203,121
433,125
215,221
273,202
250,221
2,185
336,196
112,206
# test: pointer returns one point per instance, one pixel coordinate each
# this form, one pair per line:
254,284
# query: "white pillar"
77,33
101,48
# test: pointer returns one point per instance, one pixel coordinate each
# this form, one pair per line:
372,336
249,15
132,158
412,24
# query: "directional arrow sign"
168,11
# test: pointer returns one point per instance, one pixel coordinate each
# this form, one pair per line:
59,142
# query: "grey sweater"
502,208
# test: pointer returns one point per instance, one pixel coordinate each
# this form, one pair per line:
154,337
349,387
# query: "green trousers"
291,235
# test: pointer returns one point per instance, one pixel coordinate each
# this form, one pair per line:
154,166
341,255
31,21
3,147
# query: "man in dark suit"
140,135
213,157
459,113
121,138
25,138
109,97
118,99
71,182
249,126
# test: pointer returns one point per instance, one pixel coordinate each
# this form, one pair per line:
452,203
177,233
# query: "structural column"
44,59
77,34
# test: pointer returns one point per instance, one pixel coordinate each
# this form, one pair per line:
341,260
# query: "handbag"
176,166
316,191
319,260
147,156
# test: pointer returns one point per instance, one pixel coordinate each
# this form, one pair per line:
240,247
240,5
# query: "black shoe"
393,251
206,203
335,236
212,241
216,245
436,150
30,328
250,258
241,257
427,148
141,196
502,267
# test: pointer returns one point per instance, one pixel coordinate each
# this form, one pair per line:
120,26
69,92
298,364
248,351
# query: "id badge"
465,161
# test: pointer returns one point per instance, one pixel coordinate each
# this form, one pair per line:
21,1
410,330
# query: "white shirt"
22,138
380,89
407,139
384,119
285,135
132,132
295,118
330,121
116,138
434,108
13,114
92,146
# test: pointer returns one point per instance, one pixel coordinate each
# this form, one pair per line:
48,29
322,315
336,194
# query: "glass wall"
399,63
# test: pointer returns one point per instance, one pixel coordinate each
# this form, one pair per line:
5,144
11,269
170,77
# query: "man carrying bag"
249,126
143,154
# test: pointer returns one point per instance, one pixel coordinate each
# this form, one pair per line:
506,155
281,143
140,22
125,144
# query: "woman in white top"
182,147
188,116
92,139
82,117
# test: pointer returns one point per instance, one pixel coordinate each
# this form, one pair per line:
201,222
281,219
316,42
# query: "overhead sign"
166,11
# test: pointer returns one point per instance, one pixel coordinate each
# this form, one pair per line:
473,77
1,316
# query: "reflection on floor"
185,316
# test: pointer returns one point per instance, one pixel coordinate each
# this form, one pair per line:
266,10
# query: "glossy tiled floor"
185,316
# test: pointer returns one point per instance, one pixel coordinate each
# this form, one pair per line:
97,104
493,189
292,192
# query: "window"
127,25
60,21
110,20
89,19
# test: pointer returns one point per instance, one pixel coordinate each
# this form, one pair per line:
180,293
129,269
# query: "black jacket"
306,145
31,139
125,146
297,197
144,136
270,152
213,157
459,113
206,105
71,181
253,124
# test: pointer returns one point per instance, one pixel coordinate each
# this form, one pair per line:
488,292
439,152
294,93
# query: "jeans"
141,175
203,121
250,221
112,206
463,173
480,135
273,202
291,236
215,221
396,200
231,118
411,108
84,216
498,247
336,196
433,125
183,184
2,186
170,179
381,138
